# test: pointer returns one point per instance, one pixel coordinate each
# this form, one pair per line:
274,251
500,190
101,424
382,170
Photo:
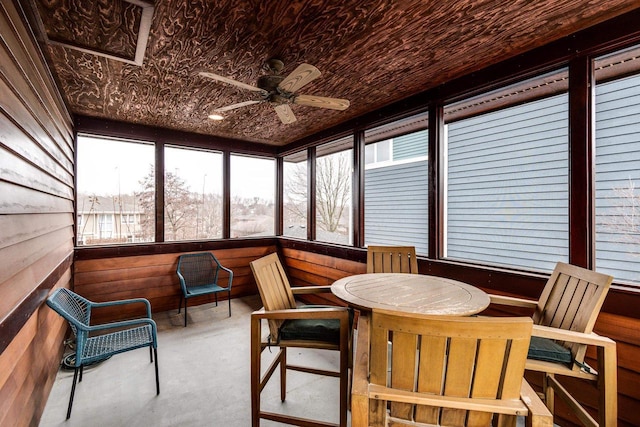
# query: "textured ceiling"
371,52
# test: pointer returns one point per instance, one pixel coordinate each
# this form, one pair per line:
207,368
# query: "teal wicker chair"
93,342
198,274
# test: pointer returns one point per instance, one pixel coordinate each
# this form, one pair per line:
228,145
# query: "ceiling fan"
281,91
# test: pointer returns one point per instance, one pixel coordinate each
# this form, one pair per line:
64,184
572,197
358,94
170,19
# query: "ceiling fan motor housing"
269,83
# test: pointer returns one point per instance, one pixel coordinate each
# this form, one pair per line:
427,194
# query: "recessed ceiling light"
216,116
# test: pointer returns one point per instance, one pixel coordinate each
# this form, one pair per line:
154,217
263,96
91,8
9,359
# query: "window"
128,219
295,196
334,169
507,175
252,196
105,226
379,152
192,194
618,165
396,185
115,179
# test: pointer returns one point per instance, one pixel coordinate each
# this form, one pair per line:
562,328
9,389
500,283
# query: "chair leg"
547,389
73,391
81,373
607,385
216,295
229,298
180,305
151,352
283,374
155,350
256,350
345,363
185,312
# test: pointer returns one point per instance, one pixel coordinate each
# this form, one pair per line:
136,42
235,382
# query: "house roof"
370,52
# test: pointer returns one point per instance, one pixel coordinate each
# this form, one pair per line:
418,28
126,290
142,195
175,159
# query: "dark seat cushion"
549,351
326,330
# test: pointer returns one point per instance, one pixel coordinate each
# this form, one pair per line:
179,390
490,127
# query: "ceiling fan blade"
285,113
234,106
232,82
299,77
321,101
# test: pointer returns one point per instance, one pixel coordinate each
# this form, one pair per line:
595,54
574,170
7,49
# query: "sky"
107,166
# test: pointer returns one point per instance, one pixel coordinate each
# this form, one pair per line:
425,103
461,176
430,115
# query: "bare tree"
296,192
93,201
624,219
211,216
179,205
333,190
333,184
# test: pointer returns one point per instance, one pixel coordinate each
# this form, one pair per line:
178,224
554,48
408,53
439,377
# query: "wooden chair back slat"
431,371
488,379
392,259
462,354
403,365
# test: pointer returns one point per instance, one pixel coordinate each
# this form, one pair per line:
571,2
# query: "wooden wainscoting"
29,363
154,277
307,268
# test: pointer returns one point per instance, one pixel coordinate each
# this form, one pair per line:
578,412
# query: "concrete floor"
204,378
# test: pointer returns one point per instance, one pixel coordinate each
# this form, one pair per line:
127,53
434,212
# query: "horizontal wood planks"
154,277
308,269
36,220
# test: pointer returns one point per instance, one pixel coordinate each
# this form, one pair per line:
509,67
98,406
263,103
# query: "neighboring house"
109,219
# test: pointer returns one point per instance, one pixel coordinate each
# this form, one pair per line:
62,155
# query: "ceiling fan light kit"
280,91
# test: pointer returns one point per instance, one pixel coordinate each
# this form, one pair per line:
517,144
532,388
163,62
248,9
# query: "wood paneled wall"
308,269
36,219
154,277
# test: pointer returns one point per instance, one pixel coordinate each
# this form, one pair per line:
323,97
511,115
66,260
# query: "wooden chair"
392,259
414,370
198,275
319,327
564,317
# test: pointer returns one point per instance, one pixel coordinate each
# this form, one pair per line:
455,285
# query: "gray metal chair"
93,342
198,274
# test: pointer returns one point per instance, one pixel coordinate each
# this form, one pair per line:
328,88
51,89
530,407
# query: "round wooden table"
410,293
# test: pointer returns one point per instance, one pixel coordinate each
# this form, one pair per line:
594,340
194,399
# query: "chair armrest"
571,336
123,302
539,414
302,290
512,301
360,382
307,313
228,270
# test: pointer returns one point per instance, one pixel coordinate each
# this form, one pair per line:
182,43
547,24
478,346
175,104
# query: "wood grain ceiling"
371,52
